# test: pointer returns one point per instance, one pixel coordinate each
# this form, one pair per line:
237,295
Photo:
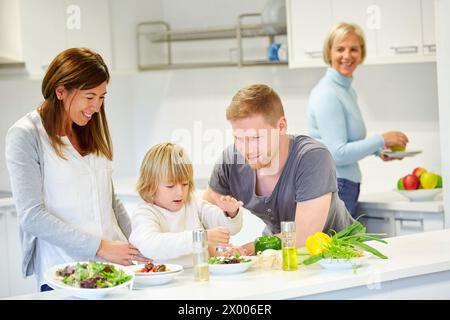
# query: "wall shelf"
238,32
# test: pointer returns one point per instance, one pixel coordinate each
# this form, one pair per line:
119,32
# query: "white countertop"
393,201
409,256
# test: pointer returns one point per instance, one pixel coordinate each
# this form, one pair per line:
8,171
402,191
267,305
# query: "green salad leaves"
92,275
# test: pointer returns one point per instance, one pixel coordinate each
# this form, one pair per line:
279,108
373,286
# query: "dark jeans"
349,193
46,287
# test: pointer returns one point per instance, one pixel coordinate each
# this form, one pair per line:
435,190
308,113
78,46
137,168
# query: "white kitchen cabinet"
308,23
18,284
358,12
4,278
11,281
428,27
414,222
398,223
51,26
400,30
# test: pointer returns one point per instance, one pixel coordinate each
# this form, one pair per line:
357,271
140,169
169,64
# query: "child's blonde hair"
164,162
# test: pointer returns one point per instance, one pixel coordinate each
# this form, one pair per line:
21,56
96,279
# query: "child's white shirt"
166,236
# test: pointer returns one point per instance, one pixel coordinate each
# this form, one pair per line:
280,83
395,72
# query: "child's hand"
230,251
230,205
218,236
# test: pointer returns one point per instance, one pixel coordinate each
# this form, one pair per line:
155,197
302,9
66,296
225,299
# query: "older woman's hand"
119,252
395,138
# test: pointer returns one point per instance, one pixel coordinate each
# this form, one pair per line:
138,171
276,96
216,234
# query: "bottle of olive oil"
289,248
201,256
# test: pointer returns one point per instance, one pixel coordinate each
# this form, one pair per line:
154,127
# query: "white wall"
193,102
125,15
10,40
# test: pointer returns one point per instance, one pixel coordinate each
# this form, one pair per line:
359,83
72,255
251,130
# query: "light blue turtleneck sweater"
335,120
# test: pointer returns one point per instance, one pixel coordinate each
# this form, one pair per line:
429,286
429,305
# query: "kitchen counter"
418,268
396,202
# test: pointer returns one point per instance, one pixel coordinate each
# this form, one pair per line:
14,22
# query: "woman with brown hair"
59,161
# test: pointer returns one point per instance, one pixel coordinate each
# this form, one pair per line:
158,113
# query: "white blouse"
77,191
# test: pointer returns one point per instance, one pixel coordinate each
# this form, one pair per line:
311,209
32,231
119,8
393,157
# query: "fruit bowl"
420,194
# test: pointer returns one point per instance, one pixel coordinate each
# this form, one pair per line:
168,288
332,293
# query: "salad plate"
155,278
89,279
222,265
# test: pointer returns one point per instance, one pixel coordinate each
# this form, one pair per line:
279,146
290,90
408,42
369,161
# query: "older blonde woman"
334,117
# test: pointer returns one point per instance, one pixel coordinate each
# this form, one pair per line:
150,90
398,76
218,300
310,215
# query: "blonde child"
162,225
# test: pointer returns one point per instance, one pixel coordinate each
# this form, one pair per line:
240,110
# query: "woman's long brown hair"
75,69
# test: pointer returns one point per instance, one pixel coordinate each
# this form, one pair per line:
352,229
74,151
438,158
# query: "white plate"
339,264
420,194
232,268
401,154
155,278
55,282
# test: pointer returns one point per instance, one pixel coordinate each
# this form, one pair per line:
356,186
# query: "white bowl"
339,264
232,268
421,194
55,281
155,278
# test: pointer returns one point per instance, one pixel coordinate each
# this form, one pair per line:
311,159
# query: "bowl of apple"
420,185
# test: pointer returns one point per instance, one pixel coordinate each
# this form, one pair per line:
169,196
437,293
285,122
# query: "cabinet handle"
405,49
314,54
431,47
401,220
377,218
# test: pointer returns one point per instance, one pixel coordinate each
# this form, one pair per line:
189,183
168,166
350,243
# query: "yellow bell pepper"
317,243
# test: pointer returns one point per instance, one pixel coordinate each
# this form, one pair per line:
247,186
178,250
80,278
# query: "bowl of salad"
230,264
89,279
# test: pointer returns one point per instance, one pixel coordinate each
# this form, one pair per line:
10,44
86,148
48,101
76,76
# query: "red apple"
411,182
419,171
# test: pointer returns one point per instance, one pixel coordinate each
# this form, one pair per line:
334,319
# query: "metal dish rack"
239,32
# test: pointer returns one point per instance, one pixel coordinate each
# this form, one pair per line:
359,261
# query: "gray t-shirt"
309,172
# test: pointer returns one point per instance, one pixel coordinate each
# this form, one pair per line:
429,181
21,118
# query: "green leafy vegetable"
348,243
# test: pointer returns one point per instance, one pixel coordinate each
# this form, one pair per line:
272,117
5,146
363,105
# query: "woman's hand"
119,252
395,138
385,157
218,236
230,205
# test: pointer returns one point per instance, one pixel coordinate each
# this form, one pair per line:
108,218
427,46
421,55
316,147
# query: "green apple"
400,184
428,180
397,148
439,182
